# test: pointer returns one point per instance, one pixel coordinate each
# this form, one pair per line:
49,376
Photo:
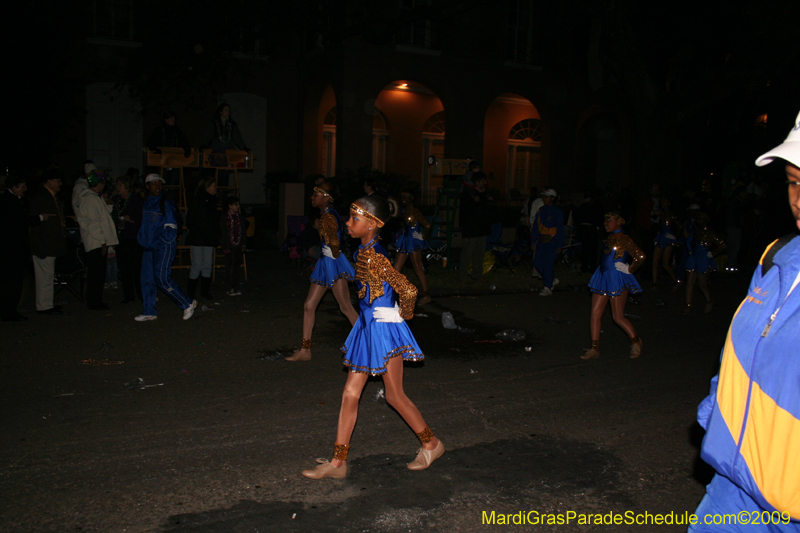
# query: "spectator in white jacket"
97,233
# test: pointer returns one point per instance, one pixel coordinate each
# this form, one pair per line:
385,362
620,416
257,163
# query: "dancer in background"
379,342
333,270
665,242
613,281
412,242
701,261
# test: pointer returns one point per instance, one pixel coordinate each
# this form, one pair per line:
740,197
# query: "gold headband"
614,215
323,192
366,214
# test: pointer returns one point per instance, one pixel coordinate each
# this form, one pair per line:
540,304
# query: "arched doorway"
380,136
414,118
512,146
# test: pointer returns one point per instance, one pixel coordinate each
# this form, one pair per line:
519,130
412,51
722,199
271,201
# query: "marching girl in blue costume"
333,270
412,242
379,342
701,261
613,281
665,242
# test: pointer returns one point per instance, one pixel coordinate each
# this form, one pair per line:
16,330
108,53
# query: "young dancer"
412,242
333,270
664,243
613,281
701,262
379,342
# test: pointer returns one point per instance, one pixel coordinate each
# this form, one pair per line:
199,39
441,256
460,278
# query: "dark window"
519,32
421,31
112,19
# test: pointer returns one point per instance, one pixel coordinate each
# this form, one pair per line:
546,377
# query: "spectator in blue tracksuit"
752,416
158,237
547,239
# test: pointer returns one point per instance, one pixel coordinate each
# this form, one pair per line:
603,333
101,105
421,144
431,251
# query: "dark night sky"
704,70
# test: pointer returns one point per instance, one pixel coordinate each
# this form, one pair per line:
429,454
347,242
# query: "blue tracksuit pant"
157,273
724,499
545,261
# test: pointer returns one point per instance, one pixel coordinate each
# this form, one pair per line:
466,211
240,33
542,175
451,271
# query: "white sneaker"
189,311
555,282
234,292
144,318
545,292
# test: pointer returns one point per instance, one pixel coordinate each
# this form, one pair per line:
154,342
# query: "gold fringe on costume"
329,232
621,243
373,269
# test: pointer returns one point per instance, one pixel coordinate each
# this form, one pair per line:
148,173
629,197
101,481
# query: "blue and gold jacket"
752,416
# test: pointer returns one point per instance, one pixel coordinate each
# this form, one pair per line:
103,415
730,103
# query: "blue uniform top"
548,226
158,228
752,416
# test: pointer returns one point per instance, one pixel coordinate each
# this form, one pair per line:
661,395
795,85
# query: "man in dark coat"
475,227
15,244
48,240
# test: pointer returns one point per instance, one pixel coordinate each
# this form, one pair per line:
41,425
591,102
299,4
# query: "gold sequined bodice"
619,243
374,269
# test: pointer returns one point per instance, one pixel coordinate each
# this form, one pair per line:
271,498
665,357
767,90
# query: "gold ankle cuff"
340,451
596,345
306,344
634,340
425,436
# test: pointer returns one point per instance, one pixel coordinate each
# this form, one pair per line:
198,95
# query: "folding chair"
437,243
70,269
509,254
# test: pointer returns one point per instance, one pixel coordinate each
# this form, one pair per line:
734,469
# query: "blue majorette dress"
609,281
702,242
413,221
371,344
667,233
329,270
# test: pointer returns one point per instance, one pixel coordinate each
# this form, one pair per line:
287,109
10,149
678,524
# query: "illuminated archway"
415,130
512,146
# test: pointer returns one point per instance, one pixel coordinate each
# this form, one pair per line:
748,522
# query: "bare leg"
341,292
618,312
599,302
348,413
400,261
667,263
315,294
396,397
690,291
416,262
657,253
702,282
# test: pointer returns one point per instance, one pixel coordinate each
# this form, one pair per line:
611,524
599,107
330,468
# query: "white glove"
710,255
417,235
669,236
326,251
622,267
387,314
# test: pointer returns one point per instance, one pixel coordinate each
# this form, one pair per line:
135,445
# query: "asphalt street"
111,425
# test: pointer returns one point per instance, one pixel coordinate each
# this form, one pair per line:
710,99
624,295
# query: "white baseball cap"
153,177
789,150
549,192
